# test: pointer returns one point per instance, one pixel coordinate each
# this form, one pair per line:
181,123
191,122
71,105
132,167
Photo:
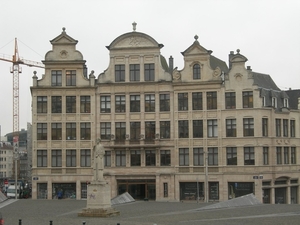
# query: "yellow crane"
16,70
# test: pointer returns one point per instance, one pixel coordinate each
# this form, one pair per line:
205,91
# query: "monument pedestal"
98,201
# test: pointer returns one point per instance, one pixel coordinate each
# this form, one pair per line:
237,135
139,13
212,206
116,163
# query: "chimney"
249,68
231,54
171,64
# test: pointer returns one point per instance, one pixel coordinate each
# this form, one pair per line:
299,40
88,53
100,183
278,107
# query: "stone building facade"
207,132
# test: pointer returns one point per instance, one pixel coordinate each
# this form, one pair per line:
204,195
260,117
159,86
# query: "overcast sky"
267,32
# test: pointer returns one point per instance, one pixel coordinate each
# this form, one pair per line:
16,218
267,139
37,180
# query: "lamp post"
206,177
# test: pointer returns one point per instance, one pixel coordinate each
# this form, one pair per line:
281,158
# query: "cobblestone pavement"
64,212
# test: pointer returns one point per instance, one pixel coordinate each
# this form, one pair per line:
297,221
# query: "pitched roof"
264,81
293,98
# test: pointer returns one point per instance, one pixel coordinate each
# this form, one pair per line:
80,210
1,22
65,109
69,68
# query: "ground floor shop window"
213,188
42,191
238,189
280,195
267,196
84,190
189,190
138,189
64,191
294,195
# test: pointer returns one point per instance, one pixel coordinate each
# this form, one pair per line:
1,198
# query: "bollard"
50,222
118,223
83,222
20,222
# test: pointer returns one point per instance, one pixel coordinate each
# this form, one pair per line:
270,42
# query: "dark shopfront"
139,189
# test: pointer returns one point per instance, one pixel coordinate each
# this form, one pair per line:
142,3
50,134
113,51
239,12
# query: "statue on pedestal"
98,166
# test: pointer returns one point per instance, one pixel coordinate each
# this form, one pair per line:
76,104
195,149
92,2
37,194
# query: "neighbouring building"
207,132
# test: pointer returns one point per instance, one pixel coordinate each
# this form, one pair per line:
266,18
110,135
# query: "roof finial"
238,51
134,26
196,38
64,30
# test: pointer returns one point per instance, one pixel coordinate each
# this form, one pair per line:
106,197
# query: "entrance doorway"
138,189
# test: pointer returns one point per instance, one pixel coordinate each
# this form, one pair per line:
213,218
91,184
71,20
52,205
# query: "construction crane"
16,70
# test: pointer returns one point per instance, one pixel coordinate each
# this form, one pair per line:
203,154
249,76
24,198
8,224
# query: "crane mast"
16,70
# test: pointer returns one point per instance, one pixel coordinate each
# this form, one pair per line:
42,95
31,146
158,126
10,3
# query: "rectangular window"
85,157
196,72
248,127
278,155
41,158
107,159
120,158
71,77
71,158
149,72
135,131
292,128
164,129
85,131
56,104
56,77
119,73
120,131
150,103
286,155
230,100
134,72
230,127
56,158
70,104
165,158
198,156
265,129
56,131
41,104
293,155
211,100
105,130
247,99
183,157
150,130
135,158
85,104
135,103
164,102
213,156
231,155
42,131
183,101
197,101
105,104
71,131
197,128
212,128
285,124
266,155
183,128
278,127
120,103
249,157
150,157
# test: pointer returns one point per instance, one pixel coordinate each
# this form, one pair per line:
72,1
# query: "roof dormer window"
285,103
274,102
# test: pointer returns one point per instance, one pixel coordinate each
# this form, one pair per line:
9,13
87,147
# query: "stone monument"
98,191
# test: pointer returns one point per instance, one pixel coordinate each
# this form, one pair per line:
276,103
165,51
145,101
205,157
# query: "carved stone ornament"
238,75
217,72
134,41
63,54
176,75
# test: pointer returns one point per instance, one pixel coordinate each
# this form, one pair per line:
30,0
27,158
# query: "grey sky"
266,32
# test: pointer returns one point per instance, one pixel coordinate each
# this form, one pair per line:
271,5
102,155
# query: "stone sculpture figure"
98,161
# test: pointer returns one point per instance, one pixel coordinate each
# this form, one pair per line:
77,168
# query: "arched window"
196,72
